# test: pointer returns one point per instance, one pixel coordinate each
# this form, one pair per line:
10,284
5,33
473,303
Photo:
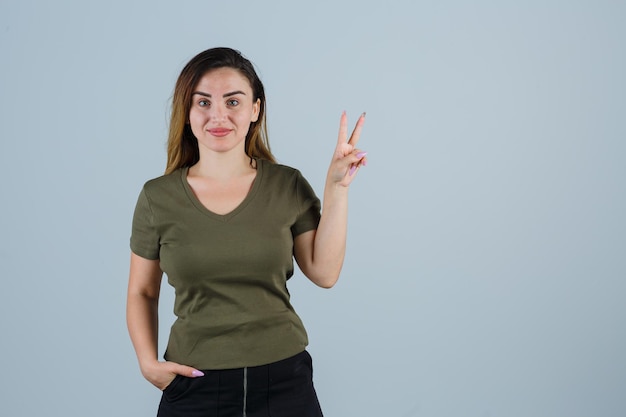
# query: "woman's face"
222,109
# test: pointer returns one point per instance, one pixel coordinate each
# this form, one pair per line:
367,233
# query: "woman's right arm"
144,286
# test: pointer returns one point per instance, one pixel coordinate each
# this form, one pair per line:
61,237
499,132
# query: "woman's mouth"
219,132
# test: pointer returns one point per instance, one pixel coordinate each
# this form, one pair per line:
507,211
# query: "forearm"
142,321
330,239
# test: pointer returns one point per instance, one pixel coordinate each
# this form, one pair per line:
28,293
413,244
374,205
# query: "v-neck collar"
256,184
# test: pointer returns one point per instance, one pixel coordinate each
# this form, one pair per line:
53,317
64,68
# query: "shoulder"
164,183
279,172
164,180
287,179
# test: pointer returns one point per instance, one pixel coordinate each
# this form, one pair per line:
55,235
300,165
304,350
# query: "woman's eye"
233,102
203,103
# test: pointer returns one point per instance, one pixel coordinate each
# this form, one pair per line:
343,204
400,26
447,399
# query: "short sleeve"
309,207
144,240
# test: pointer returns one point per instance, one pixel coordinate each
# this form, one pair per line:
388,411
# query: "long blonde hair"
182,145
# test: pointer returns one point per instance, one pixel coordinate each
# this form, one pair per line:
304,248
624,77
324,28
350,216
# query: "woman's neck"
222,166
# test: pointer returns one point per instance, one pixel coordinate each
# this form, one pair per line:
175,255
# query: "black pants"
280,389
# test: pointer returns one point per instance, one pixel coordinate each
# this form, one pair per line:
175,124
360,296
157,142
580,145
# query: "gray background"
486,266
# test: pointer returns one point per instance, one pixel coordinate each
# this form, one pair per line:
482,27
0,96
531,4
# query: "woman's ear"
256,109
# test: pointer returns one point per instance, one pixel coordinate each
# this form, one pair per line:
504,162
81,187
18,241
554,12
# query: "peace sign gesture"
347,159
320,252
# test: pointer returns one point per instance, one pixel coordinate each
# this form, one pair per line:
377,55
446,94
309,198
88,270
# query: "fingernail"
197,373
361,154
363,114
352,169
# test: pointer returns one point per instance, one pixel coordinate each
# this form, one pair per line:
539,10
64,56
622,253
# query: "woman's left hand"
320,253
347,159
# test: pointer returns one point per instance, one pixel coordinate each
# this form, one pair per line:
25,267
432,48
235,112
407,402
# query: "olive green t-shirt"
229,271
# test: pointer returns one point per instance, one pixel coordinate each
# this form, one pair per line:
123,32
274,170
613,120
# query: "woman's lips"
219,132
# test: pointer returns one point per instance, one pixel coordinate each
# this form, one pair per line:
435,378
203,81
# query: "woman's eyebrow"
232,93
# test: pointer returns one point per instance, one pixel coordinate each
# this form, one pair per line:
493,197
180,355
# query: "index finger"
356,133
343,129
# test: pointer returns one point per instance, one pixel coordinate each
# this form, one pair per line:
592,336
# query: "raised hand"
320,253
347,159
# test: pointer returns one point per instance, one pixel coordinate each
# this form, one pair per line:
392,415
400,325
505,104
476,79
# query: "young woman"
224,223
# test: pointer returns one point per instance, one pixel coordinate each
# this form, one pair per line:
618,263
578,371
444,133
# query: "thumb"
188,371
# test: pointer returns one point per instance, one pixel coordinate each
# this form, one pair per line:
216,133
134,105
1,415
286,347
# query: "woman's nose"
218,112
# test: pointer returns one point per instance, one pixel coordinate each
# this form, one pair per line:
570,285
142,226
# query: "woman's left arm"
320,253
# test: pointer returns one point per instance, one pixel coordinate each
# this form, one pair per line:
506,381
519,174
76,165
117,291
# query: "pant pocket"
176,388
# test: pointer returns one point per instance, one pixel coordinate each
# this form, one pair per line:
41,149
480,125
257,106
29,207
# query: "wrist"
145,365
336,186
